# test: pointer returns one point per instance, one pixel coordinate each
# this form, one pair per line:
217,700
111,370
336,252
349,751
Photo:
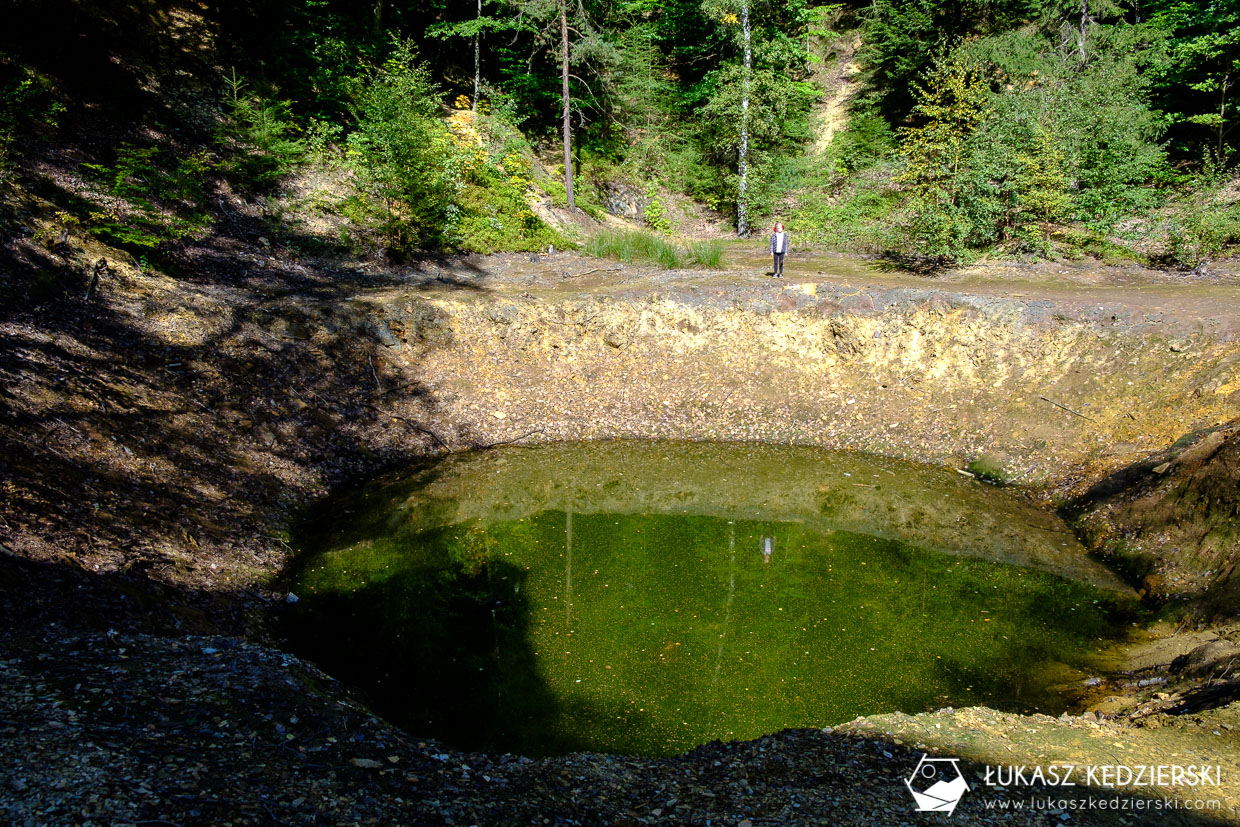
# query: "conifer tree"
951,104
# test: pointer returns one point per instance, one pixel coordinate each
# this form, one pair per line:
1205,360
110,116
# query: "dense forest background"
933,129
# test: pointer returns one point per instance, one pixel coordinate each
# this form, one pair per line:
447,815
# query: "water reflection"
607,597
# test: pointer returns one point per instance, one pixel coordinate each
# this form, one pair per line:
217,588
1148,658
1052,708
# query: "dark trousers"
779,263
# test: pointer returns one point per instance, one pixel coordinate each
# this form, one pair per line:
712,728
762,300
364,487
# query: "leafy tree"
582,55
1089,123
902,38
1041,183
1198,84
264,133
646,132
756,107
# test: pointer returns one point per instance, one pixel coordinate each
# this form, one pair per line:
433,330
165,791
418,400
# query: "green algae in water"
647,614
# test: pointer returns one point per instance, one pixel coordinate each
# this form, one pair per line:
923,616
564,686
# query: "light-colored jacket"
787,242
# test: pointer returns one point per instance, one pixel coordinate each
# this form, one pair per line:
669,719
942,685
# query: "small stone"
499,414
366,763
382,332
1162,469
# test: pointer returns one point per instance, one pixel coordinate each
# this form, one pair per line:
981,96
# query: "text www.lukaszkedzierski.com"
1118,803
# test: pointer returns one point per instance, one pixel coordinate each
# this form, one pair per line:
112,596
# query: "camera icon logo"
937,784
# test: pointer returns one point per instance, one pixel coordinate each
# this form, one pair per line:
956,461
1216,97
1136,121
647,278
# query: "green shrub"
405,158
163,195
497,218
856,216
498,171
867,141
1201,229
555,190
655,212
262,135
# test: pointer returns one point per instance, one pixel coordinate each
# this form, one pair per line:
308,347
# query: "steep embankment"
1055,390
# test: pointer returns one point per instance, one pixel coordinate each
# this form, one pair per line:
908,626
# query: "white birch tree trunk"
477,60
742,206
568,135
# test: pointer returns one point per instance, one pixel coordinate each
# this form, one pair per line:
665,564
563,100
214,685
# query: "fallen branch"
394,388
510,441
1066,408
593,270
428,432
371,362
408,422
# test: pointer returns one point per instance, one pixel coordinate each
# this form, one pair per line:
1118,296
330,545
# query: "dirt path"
1190,301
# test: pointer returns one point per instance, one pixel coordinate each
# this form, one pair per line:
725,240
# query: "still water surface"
648,597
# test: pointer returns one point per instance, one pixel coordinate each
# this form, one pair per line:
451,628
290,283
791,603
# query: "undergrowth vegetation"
162,195
1031,135
1022,127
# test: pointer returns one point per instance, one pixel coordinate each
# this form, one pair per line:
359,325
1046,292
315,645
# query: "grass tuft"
706,254
988,469
631,246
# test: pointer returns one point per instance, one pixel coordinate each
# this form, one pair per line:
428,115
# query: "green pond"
644,598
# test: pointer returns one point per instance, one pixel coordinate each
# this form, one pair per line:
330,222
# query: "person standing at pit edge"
779,249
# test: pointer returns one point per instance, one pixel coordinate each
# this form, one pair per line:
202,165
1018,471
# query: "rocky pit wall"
1055,395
